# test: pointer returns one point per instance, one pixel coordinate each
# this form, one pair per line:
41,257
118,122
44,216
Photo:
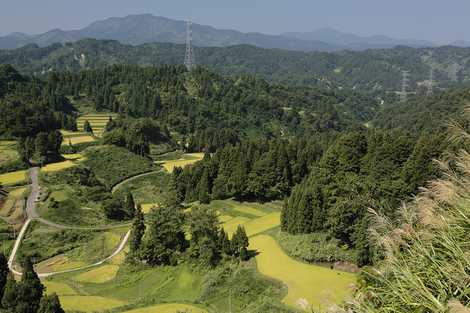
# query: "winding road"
31,214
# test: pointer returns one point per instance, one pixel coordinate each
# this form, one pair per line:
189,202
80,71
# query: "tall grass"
426,254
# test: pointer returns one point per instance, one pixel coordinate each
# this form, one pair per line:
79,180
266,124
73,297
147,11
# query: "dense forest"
367,70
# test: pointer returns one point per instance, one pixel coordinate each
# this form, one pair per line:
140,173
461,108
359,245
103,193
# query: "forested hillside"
367,70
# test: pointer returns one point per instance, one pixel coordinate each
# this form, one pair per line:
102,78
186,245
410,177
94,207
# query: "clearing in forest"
185,160
55,167
309,286
97,121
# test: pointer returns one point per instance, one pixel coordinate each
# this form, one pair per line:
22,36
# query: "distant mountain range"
372,70
147,28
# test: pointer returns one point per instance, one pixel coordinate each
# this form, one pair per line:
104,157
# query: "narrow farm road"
31,214
125,181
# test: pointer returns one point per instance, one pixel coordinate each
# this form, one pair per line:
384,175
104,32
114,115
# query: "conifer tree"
10,294
224,242
3,269
87,127
50,304
138,231
240,243
30,289
129,204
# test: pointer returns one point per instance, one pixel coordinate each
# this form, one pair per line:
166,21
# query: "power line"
189,56
404,86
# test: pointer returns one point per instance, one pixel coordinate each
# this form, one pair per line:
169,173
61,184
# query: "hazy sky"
437,20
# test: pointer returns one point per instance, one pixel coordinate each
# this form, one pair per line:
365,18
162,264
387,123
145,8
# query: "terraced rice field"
14,178
55,167
61,289
74,140
309,286
186,160
89,303
12,209
97,121
147,207
168,308
74,157
98,275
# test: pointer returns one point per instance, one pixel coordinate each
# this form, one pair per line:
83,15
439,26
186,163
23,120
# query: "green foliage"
165,237
4,271
135,134
137,232
118,208
50,304
87,127
204,230
112,165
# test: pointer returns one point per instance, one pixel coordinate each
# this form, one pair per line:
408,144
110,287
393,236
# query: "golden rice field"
187,159
147,207
97,121
231,225
309,286
168,308
55,167
12,209
74,157
13,178
77,139
61,289
98,275
89,303
261,224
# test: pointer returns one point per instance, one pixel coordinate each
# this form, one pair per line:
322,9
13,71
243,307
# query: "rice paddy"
12,209
186,160
89,303
98,275
147,207
61,289
168,308
97,121
55,167
309,286
14,178
74,140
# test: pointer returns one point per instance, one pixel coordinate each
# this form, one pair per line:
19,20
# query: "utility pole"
404,86
430,90
189,56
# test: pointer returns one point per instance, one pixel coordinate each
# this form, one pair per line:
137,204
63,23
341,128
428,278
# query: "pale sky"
441,21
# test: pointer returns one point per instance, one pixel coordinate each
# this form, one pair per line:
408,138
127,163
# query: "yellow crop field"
13,177
224,218
98,275
169,308
17,192
55,167
74,157
147,207
78,139
89,303
67,133
243,208
262,224
231,226
309,286
187,159
60,289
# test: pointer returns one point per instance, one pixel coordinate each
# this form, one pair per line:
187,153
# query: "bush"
315,247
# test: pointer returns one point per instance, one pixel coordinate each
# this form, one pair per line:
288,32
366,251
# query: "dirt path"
125,181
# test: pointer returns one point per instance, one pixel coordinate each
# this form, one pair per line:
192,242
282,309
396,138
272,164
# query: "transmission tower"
404,86
189,56
430,90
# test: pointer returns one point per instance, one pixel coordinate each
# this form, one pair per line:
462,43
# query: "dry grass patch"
57,264
169,308
309,286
